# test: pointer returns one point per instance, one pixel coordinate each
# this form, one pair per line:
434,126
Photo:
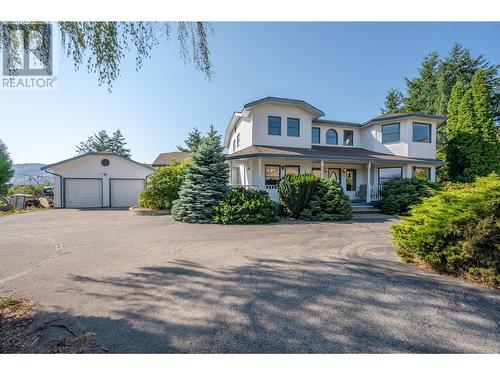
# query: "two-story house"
273,137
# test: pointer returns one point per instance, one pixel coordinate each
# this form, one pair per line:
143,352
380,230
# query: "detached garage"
98,179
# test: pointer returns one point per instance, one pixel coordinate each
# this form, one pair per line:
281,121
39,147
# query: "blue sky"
344,69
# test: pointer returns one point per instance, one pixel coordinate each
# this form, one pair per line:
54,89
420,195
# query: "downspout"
60,187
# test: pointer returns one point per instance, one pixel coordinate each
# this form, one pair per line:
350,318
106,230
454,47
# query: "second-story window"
238,140
348,137
274,125
331,137
234,144
315,136
390,133
421,132
293,127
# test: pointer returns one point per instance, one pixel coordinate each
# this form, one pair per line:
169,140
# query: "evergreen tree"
192,142
118,143
6,170
393,102
205,182
101,142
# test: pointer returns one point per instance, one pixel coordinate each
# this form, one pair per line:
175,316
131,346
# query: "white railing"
375,192
272,190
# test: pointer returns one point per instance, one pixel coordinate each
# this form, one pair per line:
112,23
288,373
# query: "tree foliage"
294,192
103,142
205,182
101,46
6,169
393,102
192,142
399,195
473,146
327,202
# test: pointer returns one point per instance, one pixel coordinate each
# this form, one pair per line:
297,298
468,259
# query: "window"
422,132
331,137
293,127
350,180
423,173
316,135
386,174
272,174
292,169
317,172
238,140
390,133
234,144
274,125
348,137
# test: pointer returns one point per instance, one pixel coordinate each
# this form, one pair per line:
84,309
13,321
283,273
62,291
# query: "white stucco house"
273,137
97,179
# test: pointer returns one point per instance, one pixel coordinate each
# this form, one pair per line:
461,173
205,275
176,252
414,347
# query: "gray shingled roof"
168,157
325,153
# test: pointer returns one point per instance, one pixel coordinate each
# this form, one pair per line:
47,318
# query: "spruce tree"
6,170
192,142
393,102
102,142
117,144
205,183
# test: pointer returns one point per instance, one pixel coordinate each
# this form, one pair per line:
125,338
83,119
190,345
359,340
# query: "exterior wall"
371,139
244,129
90,167
340,134
259,133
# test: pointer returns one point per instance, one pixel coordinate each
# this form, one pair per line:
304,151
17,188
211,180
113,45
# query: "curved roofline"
102,153
395,116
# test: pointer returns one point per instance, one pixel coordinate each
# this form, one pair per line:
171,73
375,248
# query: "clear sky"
344,69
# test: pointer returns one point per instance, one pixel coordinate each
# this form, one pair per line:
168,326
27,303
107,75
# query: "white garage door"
124,193
83,193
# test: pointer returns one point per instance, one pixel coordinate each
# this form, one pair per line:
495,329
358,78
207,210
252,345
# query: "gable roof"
167,158
326,153
102,153
275,100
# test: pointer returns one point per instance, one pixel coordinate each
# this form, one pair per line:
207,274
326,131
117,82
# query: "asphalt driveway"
149,284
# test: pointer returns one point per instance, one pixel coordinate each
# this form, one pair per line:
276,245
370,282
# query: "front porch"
360,180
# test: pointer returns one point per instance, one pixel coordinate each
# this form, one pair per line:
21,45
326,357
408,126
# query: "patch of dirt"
20,334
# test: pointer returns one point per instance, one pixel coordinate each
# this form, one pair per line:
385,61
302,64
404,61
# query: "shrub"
245,206
163,186
457,231
33,189
294,192
328,202
398,195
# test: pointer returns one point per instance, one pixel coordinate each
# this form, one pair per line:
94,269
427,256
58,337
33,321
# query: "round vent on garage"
104,162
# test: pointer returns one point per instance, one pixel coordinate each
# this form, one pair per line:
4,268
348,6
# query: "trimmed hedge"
294,192
245,206
456,231
398,195
328,202
163,187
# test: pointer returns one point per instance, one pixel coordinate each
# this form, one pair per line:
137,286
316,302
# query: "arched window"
331,137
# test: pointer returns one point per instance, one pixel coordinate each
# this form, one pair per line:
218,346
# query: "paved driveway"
149,284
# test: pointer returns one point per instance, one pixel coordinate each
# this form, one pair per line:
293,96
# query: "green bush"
327,202
33,189
245,206
294,192
457,230
163,187
398,195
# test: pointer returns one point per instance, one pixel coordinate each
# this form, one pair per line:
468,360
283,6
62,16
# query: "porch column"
230,172
368,184
322,167
261,178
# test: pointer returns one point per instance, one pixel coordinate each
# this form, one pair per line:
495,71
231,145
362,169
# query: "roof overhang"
417,116
112,154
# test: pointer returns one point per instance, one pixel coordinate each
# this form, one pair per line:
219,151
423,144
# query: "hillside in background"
23,172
